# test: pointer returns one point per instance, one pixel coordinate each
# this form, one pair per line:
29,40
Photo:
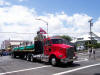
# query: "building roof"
87,37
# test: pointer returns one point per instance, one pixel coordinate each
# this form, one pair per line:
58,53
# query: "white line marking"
23,70
85,59
73,70
97,51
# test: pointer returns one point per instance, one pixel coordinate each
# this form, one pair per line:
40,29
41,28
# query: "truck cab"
58,51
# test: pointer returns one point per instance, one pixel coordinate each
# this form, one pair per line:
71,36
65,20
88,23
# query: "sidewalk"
86,51
86,55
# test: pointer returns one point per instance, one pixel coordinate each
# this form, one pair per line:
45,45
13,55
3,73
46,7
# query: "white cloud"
96,25
61,22
17,18
16,15
2,3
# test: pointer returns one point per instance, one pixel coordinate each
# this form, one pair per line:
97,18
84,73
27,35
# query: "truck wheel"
27,58
13,56
31,58
54,61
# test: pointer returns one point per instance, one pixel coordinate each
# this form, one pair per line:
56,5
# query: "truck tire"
13,55
31,59
54,61
27,58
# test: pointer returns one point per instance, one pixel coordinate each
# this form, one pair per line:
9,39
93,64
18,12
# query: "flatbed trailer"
21,53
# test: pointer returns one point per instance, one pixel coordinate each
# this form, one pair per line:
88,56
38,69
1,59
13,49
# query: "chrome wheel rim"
27,58
53,61
31,58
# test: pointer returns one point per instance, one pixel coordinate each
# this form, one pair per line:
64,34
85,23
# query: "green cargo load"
29,47
16,48
21,48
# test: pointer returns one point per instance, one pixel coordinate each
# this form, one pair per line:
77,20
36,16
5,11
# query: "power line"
49,33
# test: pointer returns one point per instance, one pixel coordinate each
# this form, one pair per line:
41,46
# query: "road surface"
83,66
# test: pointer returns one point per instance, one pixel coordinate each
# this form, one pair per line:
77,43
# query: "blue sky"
89,7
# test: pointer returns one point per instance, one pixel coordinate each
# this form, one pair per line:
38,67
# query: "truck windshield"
58,41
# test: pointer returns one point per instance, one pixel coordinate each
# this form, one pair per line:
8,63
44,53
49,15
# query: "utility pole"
91,24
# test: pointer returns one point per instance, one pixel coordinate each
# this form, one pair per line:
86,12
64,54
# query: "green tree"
68,38
97,45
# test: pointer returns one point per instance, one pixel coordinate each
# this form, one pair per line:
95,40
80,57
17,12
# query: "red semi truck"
53,50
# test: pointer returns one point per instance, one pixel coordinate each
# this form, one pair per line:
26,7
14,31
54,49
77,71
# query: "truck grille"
70,52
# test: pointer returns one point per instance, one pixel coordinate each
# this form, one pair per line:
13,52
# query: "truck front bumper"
68,60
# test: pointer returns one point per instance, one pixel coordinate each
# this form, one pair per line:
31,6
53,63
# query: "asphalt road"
83,66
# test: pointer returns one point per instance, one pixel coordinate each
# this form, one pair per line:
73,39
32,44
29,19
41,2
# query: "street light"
91,24
46,24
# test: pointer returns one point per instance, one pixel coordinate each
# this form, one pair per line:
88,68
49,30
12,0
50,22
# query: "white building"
13,43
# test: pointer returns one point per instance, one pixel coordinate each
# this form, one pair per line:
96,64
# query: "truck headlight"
60,55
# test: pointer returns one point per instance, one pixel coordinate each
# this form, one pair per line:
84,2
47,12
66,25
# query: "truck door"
47,47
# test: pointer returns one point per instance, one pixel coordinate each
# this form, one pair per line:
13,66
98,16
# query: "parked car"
80,48
4,53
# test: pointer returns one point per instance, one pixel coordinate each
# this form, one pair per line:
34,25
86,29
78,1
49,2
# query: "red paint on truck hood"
61,45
